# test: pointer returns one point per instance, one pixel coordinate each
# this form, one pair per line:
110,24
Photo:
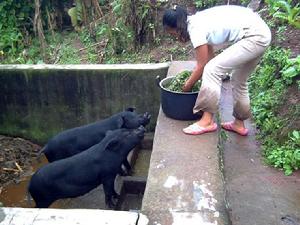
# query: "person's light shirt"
220,24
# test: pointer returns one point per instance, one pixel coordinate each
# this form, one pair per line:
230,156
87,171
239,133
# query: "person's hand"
187,86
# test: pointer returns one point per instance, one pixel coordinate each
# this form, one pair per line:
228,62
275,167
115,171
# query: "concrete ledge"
184,183
21,216
147,66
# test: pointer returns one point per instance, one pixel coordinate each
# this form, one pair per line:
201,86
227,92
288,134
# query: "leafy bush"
14,15
284,11
202,4
267,88
292,70
286,156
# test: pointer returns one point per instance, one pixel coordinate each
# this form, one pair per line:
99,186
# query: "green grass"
268,88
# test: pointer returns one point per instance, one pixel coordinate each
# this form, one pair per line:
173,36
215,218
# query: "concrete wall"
38,101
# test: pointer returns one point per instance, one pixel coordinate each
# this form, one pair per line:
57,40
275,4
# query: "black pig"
79,174
75,140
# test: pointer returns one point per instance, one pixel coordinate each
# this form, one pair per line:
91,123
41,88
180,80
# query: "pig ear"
130,109
113,145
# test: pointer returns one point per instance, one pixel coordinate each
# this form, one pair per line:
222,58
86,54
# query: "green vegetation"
178,81
14,18
268,87
202,4
36,31
292,70
285,11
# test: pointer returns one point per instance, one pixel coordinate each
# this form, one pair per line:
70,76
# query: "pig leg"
110,193
39,199
122,172
128,167
43,204
127,171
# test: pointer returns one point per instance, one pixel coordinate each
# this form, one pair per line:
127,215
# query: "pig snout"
131,120
145,119
140,131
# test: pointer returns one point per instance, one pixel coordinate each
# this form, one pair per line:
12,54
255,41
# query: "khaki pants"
240,60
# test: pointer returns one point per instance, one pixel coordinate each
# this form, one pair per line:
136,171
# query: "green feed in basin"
178,81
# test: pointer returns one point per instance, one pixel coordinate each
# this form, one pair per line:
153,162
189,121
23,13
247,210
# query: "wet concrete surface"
21,216
185,183
257,194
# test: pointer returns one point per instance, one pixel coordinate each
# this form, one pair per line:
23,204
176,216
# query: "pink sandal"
195,129
229,127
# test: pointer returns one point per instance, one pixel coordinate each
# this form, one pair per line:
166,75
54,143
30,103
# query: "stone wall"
36,102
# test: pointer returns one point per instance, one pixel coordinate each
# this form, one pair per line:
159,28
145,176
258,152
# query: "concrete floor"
185,184
256,193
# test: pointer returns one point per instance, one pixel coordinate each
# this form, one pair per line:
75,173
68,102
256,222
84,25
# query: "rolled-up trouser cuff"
242,116
207,100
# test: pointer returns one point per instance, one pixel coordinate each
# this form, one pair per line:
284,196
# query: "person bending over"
249,35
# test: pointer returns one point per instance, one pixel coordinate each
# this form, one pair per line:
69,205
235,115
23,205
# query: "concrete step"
256,193
22,216
184,183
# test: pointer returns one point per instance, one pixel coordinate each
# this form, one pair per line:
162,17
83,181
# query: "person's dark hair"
176,18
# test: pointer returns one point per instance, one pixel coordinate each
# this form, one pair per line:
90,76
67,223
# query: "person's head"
175,22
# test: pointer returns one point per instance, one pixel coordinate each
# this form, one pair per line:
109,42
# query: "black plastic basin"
177,105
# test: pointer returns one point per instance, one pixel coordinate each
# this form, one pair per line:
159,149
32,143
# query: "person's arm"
203,54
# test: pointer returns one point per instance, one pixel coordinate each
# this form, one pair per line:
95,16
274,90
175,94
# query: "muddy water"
15,195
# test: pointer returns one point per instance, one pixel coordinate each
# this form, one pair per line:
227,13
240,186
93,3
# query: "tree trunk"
38,29
50,22
97,8
91,11
84,14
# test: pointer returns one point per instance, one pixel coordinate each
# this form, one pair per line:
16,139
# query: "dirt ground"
291,39
16,154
